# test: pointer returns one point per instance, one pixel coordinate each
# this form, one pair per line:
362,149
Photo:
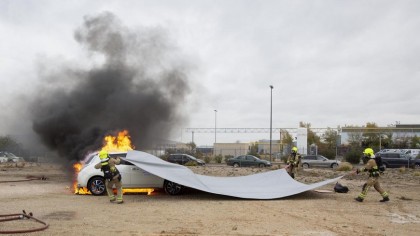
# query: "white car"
9,157
132,177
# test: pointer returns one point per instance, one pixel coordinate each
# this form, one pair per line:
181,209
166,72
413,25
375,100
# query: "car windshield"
89,159
10,154
193,158
405,156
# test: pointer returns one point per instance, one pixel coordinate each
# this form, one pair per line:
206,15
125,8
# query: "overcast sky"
331,62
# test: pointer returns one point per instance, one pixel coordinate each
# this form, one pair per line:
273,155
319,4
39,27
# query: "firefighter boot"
112,199
385,199
359,199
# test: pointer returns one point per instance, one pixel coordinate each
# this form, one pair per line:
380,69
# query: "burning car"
133,178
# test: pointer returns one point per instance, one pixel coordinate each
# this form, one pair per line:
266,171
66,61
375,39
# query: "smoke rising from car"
140,85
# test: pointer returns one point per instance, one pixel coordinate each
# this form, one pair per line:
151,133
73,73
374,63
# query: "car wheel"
334,165
172,188
305,165
235,164
261,165
96,186
417,166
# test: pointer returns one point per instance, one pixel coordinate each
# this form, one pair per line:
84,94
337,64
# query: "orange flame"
120,143
77,167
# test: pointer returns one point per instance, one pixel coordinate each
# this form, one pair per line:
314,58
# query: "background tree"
328,145
401,141
254,149
354,138
386,140
371,135
191,146
415,142
286,140
9,144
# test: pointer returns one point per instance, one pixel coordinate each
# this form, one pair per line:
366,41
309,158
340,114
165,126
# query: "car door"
310,160
140,178
185,159
241,160
178,159
322,161
250,161
394,160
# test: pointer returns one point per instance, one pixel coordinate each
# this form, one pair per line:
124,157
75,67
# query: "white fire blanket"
267,185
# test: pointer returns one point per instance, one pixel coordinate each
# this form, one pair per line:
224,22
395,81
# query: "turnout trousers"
109,184
372,181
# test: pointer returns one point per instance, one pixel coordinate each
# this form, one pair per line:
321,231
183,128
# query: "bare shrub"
345,166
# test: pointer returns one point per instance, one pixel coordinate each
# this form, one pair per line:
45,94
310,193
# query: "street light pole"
271,117
215,125
380,144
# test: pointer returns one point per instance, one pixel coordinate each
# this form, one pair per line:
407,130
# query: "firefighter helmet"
103,154
369,152
294,149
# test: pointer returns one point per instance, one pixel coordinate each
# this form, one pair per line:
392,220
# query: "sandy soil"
199,213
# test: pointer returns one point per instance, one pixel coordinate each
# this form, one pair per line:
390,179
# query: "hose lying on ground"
21,216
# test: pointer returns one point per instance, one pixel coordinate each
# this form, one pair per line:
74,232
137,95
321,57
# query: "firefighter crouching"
373,169
293,162
111,174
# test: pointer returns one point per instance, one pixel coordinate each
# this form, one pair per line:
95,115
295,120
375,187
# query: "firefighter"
293,162
371,167
111,174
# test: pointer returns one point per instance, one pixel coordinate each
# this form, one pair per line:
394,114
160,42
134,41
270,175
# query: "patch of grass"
276,167
416,173
345,166
402,170
218,158
191,163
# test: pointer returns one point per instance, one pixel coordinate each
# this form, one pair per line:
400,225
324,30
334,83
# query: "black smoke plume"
140,85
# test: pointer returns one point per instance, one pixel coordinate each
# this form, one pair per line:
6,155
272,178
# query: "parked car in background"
9,157
414,153
247,160
132,177
398,159
183,159
309,161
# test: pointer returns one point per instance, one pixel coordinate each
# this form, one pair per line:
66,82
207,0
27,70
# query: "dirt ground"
200,213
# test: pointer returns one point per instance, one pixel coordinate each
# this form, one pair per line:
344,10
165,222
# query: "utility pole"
215,125
271,117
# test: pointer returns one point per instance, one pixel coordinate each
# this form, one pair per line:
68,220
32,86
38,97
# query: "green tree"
286,138
354,137
329,142
402,142
354,155
415,142
7,143
371,135
386,140
330,138
254,149
191,146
